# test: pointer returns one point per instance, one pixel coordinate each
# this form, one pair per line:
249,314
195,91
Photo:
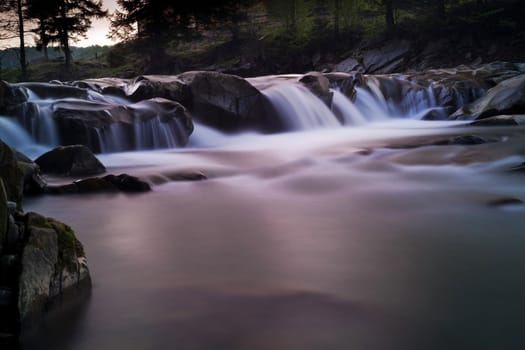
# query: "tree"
159,20
41,13
64,21
13,22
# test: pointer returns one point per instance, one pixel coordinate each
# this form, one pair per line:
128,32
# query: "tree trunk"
23,63
43,39
389,15
441,10
293,16
64,38
337,10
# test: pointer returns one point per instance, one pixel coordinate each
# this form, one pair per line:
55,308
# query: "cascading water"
149,134
299,109
13,133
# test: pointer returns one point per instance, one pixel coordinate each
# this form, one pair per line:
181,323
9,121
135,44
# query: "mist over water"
340,234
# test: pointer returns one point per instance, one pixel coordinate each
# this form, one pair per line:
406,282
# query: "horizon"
96,35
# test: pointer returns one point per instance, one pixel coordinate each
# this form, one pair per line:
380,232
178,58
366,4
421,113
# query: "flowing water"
328,237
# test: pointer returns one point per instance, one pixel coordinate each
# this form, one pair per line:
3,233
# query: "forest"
199,34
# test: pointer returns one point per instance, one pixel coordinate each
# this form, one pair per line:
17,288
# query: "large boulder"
508,97
53,264
74,160
225,101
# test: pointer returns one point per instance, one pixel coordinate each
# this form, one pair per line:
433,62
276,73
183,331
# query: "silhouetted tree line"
159,22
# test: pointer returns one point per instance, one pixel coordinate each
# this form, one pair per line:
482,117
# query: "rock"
520,168
75,160
227,102
109,183
349,65
385,59
151,86
503,202
4,214
11,174
319,85
54,90
111,127
465,140
53,264
501,120
508,97
33,181
10,97
128,183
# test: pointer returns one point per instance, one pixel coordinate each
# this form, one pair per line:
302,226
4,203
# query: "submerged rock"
75,160
107,184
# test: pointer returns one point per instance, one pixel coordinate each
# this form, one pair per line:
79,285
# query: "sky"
97,35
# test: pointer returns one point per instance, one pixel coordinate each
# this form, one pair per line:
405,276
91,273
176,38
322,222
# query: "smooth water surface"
311,240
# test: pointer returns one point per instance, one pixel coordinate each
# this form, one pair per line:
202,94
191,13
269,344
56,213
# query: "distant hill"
9,58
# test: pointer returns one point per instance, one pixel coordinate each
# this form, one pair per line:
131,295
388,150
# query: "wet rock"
151,86
319,85
224,101
54,90
501,120
92,123
10,97
385,59
53,263
508,97
520,168
465,140
4,214
11,174
502,202
33,181
127,183
107,184
75,160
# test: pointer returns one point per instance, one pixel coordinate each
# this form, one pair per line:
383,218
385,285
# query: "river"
325,239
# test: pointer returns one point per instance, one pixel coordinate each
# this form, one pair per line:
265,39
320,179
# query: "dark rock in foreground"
75,160
41,260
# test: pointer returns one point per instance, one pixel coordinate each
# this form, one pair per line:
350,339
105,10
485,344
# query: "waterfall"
299,109
397,99
140,135
12,133
37,118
